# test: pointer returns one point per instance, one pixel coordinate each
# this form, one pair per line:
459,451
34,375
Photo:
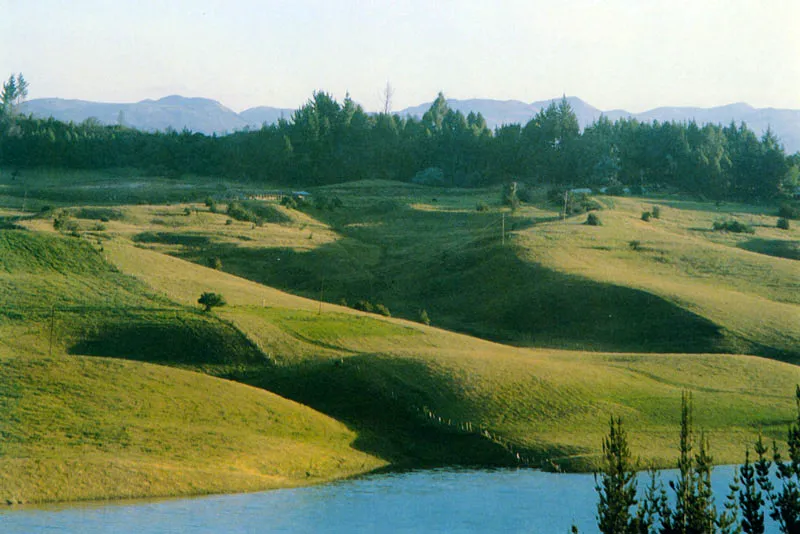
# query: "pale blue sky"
631,54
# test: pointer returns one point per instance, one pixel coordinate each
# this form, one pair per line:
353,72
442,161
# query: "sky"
616,54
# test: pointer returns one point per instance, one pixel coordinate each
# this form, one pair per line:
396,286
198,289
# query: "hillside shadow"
516,301
386,401
778,248
183,338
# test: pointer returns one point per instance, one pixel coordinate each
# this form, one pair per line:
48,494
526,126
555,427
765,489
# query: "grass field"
591,326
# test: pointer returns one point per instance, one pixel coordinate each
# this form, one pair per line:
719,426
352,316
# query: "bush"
212,204
364,305
383,310
482,206
635,245
615,191
64,223
211,300
577,203
228,222
656,211
734,226
788,211
423,317
525,195
593,220
215,263
646,216
783,223
187,211
289,202
240,213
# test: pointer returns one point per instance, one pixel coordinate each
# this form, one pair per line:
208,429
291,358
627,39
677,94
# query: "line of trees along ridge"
329,142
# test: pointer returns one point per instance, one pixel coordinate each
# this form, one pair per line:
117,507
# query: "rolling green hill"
83,426
400,383
593,326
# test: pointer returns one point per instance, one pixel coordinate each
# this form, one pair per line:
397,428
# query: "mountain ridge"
208,116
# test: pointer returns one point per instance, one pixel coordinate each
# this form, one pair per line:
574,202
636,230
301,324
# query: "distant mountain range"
209,116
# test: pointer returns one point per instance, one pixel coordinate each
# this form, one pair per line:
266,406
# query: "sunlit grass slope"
407,387
78,428
88,427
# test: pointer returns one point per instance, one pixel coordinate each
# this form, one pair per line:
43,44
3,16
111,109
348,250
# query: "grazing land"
541,328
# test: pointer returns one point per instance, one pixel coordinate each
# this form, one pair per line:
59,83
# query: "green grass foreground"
276,389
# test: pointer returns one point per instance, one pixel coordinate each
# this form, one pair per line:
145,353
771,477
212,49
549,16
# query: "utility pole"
52,324
566,198
503,238
321,295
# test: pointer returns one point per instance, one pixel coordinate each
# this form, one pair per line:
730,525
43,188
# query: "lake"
439,500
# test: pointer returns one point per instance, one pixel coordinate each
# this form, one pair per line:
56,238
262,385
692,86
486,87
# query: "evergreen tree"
785,500
751,500
616,484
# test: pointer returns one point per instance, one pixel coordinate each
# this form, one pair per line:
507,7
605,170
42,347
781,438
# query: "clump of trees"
734,226
621,509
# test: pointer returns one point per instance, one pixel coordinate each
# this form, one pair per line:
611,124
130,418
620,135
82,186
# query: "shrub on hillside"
635,244
215,263
615,191
482,206
423,317
593,220
646,216
211,300
656,211
783,223
64,223
364,305
577,203
788,211
734,226
525,195
241,213
383,310
289,202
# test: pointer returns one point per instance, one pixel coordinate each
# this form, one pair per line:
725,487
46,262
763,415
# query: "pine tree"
785,502
751,500
616,484
694,511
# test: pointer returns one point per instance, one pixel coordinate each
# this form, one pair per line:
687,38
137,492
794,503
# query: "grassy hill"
401,383
596,327
80,427
552,283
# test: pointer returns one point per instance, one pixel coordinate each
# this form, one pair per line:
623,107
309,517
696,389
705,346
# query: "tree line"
329,142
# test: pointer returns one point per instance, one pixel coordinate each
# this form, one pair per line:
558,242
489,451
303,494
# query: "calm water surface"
416,501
